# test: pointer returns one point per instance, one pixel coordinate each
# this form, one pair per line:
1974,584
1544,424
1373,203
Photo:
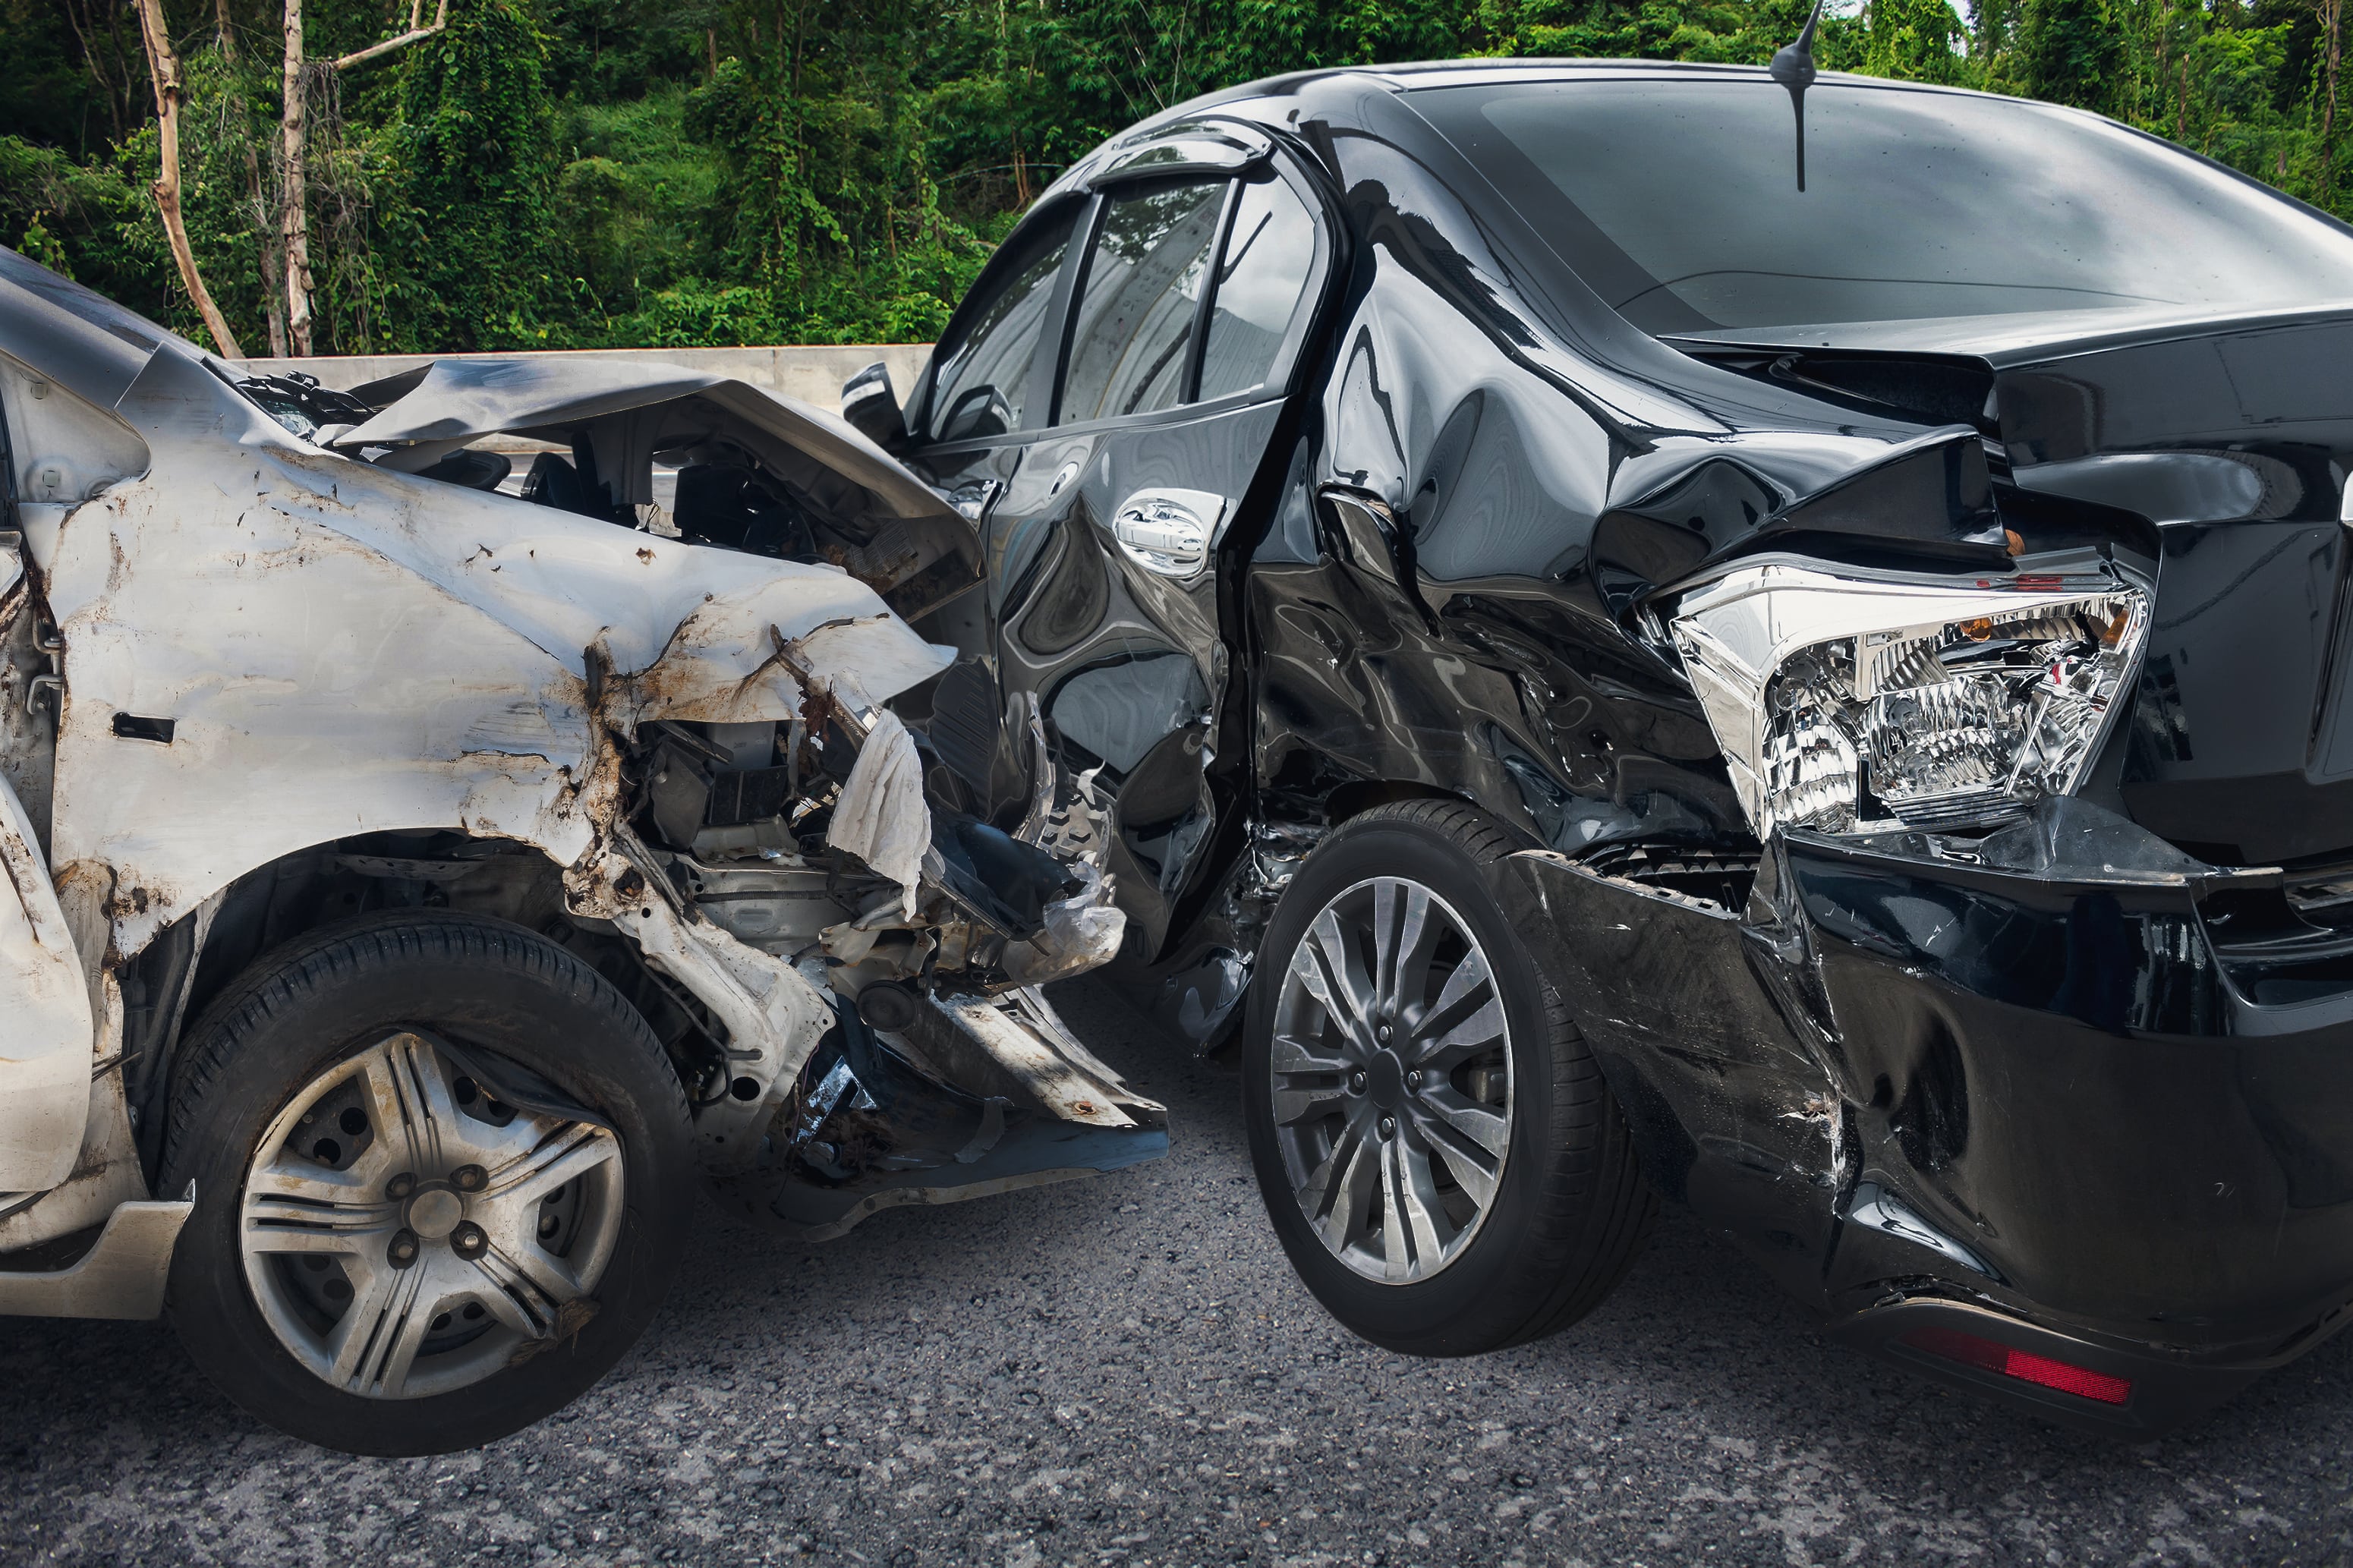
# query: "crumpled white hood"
341,650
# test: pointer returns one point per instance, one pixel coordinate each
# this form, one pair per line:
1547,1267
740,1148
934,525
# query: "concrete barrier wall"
812,373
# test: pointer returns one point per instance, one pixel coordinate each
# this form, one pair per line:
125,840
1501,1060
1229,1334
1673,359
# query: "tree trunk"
417,29
294,224
273,271
164,65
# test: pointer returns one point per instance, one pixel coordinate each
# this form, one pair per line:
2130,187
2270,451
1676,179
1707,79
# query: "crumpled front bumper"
2062,1091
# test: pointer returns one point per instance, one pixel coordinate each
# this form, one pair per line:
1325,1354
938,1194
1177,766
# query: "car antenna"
1793,68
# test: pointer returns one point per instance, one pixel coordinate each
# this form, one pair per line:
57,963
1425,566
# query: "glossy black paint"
2093,1085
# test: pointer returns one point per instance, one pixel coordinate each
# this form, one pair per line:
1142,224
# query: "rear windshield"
1678,202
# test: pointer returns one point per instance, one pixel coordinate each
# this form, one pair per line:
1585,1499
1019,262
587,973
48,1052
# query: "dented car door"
1179,304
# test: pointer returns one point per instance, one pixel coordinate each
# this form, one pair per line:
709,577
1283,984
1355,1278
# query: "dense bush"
674,172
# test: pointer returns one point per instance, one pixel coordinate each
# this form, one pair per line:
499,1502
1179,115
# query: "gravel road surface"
1124,1371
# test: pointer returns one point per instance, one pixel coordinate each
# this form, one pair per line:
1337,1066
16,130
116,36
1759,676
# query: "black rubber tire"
475,981
1572,1209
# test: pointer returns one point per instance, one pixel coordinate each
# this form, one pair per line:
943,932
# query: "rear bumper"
2134,1395
2042,1093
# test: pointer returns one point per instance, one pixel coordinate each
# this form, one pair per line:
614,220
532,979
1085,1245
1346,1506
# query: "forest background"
368,176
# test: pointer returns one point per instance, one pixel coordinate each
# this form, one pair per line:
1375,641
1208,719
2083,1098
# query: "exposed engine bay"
813,840
280,656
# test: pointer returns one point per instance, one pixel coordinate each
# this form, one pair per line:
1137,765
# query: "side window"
1144,283
983,384
1268,265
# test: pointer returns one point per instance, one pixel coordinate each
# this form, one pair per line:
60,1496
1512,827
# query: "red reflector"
1970,1350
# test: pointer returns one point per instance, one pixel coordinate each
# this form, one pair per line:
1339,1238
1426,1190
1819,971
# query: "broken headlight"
1852,702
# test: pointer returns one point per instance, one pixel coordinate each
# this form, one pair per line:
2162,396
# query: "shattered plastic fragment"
882,817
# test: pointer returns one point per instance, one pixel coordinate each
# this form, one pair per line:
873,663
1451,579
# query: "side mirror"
873,407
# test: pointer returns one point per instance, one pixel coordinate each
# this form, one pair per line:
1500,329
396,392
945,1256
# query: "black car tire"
1570,1208
500,994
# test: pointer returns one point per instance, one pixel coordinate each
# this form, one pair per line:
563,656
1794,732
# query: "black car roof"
1412,75
1255,100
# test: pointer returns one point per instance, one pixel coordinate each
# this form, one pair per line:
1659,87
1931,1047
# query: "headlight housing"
1853,702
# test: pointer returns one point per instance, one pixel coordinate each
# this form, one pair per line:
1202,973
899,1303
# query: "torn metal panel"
1040,1067
463,398
121,1275
882,817
877,1125
772,1014
104,1169
754,469
45,1058
296,625
1722,1077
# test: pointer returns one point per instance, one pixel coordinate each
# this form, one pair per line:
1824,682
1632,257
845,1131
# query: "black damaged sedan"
1622,667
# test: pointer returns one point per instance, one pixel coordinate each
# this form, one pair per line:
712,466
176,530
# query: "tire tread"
1597,1209
336,952
283,1019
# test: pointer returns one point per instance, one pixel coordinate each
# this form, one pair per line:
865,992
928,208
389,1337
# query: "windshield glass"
1678,203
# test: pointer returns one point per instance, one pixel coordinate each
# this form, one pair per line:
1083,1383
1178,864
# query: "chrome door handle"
1168,532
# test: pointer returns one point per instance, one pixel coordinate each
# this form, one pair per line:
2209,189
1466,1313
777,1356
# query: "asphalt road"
1124,1371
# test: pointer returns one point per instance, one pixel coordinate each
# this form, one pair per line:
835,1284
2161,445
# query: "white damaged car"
416,891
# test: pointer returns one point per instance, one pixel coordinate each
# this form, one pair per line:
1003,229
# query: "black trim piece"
1226,149
138,727
1178,414
1062,313
1191,391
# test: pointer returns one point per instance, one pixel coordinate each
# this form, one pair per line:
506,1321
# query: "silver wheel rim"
405,1233
1392,1080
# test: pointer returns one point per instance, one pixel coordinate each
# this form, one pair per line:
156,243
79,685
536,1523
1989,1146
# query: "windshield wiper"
1793,68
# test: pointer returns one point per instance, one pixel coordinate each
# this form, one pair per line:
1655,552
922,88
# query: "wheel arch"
169,984
1351,800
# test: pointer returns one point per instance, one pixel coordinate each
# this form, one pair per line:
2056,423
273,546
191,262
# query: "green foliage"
676,173
467,216
1912,40
2072,52
636,194
87,215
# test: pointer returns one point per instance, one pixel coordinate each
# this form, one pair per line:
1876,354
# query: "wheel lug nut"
1413,1078
1389,1126
468,1240
1355,1083
469,1178
400,1186
403,1249
1382,1034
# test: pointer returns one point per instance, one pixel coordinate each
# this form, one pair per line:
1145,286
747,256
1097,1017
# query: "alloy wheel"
1392,1084
406,1234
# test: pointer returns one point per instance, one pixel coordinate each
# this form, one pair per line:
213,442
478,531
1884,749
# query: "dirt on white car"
417,888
